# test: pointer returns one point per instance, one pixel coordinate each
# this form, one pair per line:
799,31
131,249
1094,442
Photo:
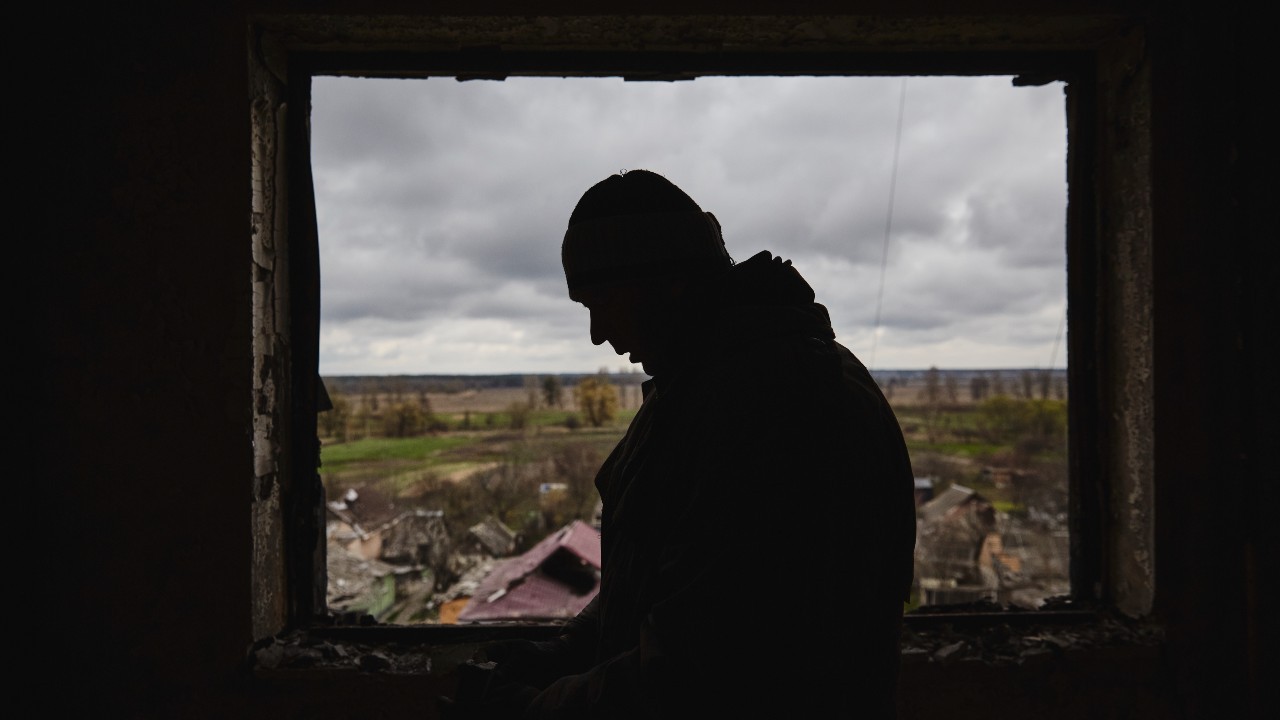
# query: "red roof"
555,579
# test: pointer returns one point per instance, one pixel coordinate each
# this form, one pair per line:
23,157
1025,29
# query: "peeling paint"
269,586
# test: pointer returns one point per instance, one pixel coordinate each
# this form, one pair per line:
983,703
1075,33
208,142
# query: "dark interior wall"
144,440
1214,331
145,304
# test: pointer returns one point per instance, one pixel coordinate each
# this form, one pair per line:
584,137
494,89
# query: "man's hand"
484,693
507,701
532,662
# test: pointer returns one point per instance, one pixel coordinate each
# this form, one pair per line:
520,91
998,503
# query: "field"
496,400
476,430
398,466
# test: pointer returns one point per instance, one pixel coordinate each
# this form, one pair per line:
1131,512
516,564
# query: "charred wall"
153,270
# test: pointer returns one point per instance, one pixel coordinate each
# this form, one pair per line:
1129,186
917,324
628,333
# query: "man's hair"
638,224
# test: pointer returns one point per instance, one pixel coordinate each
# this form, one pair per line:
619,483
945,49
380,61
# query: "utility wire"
1062,325
888,222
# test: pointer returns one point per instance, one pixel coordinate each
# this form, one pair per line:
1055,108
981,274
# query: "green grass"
409,467
340,455
399,463
536,418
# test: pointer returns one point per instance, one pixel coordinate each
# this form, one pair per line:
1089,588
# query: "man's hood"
757,301
765,297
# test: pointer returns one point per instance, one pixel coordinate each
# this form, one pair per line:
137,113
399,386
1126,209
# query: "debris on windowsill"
973,632
998,643
300,651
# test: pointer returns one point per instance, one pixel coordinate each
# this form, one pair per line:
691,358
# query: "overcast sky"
442,205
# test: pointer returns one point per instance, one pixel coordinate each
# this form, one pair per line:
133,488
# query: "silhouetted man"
758,521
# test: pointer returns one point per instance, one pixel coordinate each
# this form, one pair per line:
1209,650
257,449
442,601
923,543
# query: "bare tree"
1028,379
333,422
531,391
501,491
997,384
597,399
552,391
952,387
932,401
573,465
518,415
978,388
576,465
399,386
403,419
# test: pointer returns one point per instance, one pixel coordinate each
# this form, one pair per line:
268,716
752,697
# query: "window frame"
1108,281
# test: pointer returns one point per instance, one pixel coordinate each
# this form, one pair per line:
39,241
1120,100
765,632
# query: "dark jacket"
758,525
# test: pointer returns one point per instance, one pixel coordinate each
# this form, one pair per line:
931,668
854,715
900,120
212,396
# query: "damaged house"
951,530
491,537
554,580
382,561
967,552
476,556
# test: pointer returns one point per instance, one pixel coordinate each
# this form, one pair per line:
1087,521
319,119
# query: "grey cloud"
1029,224
391,286
513,301
443,203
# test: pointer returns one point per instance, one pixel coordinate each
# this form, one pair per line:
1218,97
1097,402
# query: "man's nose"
597,329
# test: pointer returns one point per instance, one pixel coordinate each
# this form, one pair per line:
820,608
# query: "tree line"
395,409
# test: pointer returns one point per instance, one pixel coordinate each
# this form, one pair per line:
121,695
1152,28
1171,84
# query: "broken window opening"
993,510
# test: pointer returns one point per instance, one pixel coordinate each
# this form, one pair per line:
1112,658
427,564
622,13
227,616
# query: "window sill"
984,634
992,635
380,649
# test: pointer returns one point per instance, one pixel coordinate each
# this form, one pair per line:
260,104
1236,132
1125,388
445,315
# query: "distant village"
402,567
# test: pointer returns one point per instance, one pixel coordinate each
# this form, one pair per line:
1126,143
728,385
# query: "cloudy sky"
442,204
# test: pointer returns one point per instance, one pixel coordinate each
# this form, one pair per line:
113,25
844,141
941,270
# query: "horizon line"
641,372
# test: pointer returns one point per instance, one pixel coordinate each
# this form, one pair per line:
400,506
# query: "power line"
1062,326
888,222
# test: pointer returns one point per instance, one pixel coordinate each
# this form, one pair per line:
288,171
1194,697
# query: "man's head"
634,244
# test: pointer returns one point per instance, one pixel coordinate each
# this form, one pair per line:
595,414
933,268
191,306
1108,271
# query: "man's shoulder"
790,372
